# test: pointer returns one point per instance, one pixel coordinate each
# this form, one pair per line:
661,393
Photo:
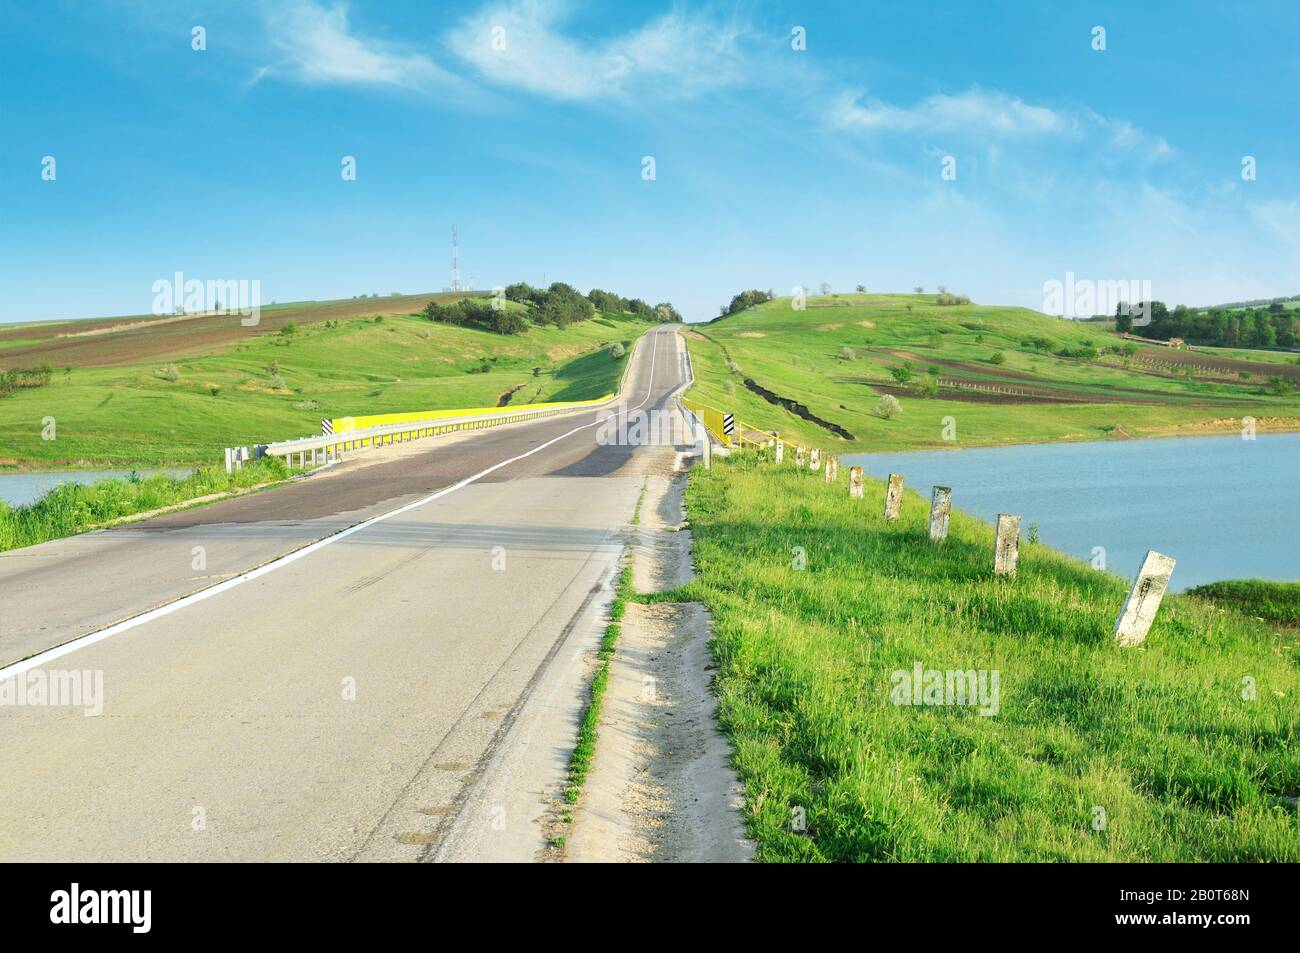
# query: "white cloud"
320,48
975,111
991,116
675,56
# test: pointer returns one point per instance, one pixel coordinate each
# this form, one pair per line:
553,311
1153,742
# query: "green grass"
801,355
1162,738
1276,602
126,414
589,724
72,508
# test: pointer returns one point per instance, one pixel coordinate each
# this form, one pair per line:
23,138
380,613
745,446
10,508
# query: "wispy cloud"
974,111
522,44
319,47
991,116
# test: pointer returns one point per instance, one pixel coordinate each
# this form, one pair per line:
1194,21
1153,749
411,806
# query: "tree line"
1273,326
558,306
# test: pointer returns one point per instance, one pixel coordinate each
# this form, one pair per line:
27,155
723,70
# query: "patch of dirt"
867,324
751,334
661,786
829,327
505,396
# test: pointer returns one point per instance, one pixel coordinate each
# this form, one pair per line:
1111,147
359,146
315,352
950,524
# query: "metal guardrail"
728,429
329,448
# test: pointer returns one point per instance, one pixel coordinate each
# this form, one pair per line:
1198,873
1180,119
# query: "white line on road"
81,642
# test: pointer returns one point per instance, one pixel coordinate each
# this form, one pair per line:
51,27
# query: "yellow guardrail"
741,434
726,427
338,425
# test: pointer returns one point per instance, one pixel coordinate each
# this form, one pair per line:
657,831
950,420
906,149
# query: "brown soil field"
1226,365
122,340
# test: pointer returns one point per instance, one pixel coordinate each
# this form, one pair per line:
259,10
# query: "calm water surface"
1224,507
19,489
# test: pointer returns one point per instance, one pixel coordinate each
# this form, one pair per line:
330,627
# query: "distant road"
348,683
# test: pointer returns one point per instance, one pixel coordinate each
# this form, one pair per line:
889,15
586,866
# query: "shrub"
901,374
616,350
997,357
170,373
290,329
888,407
847,353
277,382
926,387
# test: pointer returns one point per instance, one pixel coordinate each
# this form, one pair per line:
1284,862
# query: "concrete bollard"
815,460
230,464
832,469
798,457
706,449
1143,600
780,452
855,483
940,507
1006,545
893,496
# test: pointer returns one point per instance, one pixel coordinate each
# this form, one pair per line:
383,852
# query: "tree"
919,290
862,289
825,287
665,312
888,407
746,299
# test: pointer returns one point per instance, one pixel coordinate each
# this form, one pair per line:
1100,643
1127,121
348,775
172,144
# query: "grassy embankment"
114,405
1275,602
72,508
1179,750
1000,376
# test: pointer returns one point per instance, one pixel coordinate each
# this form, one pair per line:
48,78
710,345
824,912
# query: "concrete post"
1143,600
707,447
893,496
832,468
815,460
798,457
780,452
230,466
1006,545
940,507
855,483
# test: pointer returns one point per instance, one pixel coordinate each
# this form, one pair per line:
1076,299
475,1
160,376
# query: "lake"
20,489
1224,507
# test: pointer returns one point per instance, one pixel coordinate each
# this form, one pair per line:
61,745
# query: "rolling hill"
154,391
1000,375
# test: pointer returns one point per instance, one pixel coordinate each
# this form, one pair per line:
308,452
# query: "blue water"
1224,507
20,489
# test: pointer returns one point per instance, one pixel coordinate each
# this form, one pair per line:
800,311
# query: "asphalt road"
337,669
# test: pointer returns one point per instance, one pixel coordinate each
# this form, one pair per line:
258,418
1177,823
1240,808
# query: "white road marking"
81,642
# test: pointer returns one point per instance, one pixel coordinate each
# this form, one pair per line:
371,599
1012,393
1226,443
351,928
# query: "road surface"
381,663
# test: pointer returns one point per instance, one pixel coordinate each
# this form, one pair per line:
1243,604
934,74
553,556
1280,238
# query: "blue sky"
774,166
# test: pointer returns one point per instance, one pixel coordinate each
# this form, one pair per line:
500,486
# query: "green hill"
150,392
1004,375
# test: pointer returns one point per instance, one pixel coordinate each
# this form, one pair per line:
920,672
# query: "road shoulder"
661,787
